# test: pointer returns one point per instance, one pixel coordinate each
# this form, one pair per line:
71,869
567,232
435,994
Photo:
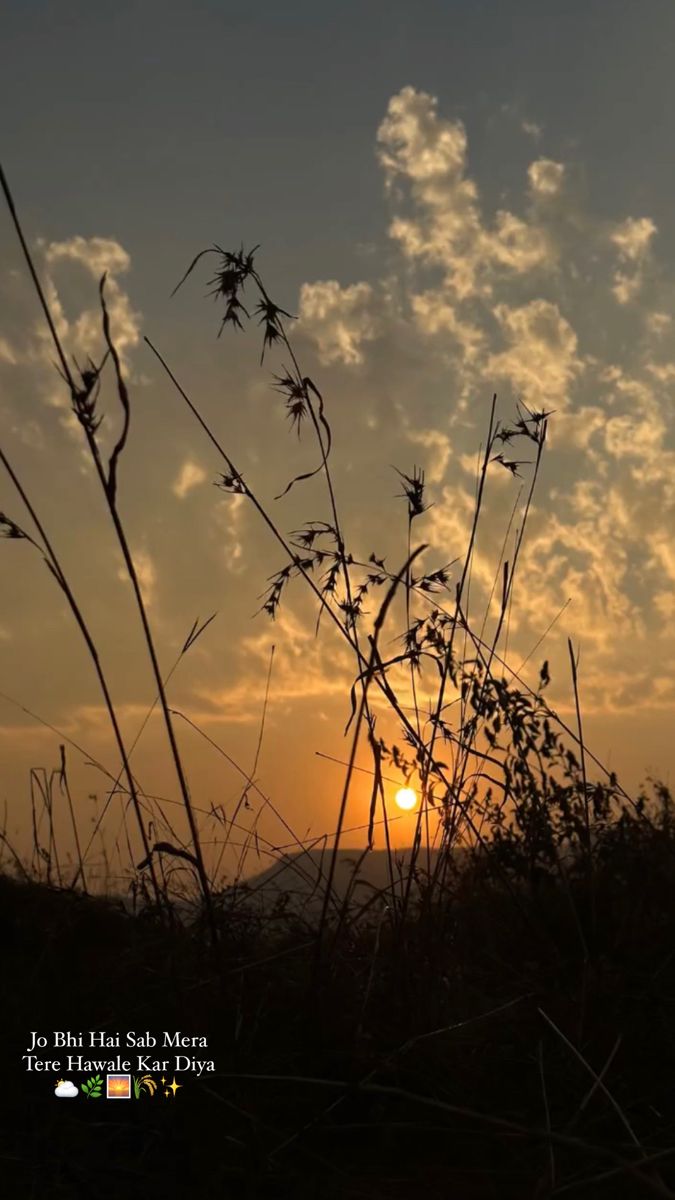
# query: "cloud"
521,298
189,477
416,143
69,271
428,154
7,354
146,572
483,290
541,356
435,315
229,517
65,1088
305,667
632,239
80,329
338,319
633,236
658,323
147,575
546,177
97,256
439,449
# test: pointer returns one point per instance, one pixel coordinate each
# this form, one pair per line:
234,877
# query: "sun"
406,798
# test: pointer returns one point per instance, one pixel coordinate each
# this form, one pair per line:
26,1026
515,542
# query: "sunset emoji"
118,1087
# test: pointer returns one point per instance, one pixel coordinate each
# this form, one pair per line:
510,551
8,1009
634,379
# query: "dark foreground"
513,1041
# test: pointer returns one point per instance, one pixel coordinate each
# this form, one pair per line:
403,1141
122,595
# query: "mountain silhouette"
300,878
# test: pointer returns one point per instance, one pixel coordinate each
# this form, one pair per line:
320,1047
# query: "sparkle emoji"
173,1087
65,1090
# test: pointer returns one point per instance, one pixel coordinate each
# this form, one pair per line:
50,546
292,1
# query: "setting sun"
406,798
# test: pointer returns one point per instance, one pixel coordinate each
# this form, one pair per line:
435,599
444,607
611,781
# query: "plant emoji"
144,1082
93,1087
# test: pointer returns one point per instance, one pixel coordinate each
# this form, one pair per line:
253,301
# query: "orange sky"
468,287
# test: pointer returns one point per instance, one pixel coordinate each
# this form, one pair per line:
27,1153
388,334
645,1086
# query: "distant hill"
301,877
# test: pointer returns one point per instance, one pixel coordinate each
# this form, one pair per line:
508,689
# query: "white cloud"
633,236
190,476
626,287
147,575
338,319
517,245
481,293
230,515
63,267
632,239
7,354
96,256
416,143
65,1088
439,449
541,358
515,297
658,323
306,667
434,314
664,372
545,177
419,148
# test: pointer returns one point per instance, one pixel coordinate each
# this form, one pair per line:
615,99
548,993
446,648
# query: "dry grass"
487,1025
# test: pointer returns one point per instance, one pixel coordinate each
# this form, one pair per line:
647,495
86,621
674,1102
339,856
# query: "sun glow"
406,798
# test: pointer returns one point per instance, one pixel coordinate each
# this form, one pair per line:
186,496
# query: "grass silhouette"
493,1020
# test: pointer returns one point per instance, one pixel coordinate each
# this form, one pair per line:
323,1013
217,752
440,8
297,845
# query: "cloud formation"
70,272
146,572
426,156
525,301
541,356
189,477
98,257
632,239
340,319
522,292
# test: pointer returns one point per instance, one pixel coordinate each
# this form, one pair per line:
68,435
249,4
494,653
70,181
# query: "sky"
453,200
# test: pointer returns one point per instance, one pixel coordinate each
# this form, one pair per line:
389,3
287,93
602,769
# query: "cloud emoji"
65,1088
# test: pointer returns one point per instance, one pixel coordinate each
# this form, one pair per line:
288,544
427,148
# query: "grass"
476,1052
493,1021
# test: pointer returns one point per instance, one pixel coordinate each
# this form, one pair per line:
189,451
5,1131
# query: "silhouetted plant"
514,782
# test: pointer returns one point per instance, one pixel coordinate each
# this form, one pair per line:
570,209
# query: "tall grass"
502,740
523,844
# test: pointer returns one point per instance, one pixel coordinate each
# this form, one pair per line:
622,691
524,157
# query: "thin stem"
584,782
372,664
55,566
108,484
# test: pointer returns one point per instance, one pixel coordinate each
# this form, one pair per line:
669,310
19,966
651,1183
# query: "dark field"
483,1051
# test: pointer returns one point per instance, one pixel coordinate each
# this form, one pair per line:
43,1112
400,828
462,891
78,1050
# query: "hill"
300,878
